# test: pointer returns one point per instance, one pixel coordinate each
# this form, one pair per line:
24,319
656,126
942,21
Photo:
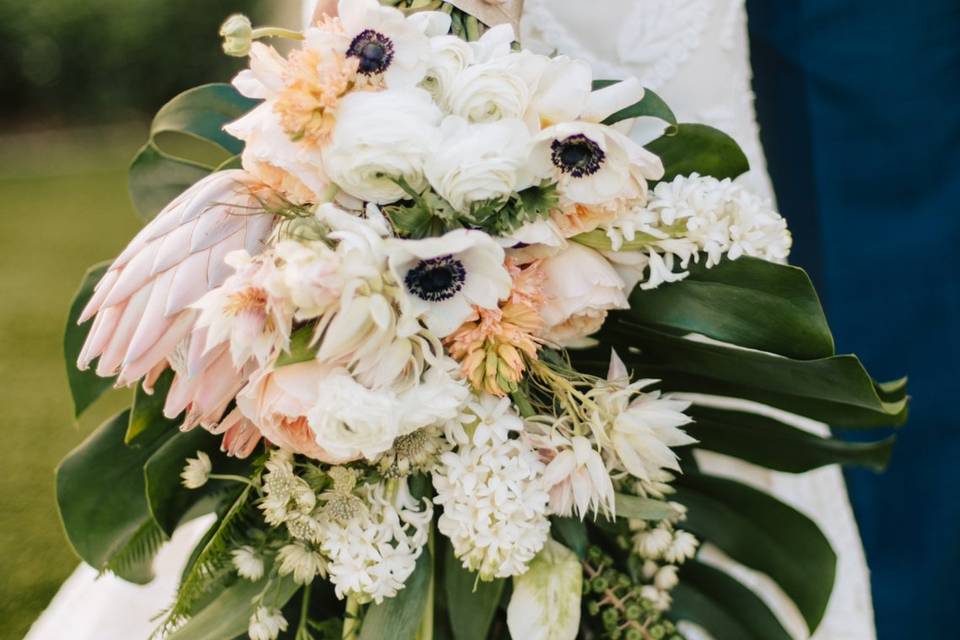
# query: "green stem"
302,631
276,32
523,404
425,632
232,478
351,619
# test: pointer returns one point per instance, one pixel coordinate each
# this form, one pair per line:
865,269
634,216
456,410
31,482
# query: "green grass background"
63,206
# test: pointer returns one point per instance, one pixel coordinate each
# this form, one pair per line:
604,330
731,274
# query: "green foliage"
762,533
79,61
651,105
642,508
696,148
228,615
835,390
727,609
747,302
399,617
300,348
614,606
102,499
772,444
211,571
471,602
426,214
85,386
195,120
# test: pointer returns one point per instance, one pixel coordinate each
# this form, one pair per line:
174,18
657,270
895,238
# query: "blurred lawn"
63,206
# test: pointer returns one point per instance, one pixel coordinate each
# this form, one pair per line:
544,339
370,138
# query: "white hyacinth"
494,498
372,552
691,215
247,562
197,471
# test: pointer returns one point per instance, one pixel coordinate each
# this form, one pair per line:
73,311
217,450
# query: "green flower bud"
633,611
611,618
237,35
634,634
656,632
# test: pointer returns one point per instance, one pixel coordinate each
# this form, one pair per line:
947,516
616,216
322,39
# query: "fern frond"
132,561
212,566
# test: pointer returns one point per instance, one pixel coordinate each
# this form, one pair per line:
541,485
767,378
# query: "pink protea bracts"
141,307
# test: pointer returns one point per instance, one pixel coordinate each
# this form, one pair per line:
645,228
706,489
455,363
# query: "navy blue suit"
859,105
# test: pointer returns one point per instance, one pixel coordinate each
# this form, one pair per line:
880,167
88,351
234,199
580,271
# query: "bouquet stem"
351,619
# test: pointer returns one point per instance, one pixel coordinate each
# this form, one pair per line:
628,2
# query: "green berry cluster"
614,600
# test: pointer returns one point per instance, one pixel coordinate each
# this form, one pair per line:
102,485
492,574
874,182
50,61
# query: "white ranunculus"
443,278
477,162
490,91
379,137
352,421
450,56
580,286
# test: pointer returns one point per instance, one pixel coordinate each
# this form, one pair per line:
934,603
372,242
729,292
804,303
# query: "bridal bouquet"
436,342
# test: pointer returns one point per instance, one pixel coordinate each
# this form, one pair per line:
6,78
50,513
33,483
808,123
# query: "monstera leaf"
85,386
186,143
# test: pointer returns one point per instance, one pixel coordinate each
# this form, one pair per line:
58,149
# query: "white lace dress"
694,54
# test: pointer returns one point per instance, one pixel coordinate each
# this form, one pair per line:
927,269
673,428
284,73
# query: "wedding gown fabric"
694,54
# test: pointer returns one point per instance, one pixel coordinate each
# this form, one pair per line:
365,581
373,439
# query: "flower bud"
237,35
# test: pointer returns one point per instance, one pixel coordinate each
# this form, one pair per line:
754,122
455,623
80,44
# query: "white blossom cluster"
372,553
690,215
493,495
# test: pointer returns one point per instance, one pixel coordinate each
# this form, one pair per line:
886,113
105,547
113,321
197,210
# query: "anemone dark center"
373,50
577,155
436,279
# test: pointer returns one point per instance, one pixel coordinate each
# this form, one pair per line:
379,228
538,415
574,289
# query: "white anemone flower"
390,48
445,277
593,163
